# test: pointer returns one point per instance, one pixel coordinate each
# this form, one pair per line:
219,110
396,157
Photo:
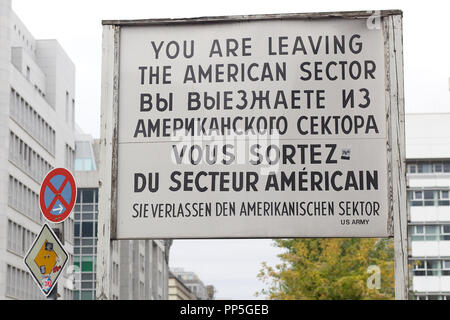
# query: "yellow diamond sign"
46,259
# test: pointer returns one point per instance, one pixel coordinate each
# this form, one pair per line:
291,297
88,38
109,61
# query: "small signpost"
46,259
58,194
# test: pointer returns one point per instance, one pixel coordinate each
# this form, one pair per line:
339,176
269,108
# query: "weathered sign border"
391,23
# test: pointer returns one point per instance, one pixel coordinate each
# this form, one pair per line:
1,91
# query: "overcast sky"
232,265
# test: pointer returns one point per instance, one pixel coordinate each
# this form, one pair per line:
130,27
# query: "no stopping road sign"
58,194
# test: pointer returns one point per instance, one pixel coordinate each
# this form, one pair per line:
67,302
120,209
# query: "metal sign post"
47,257
326,87
59,232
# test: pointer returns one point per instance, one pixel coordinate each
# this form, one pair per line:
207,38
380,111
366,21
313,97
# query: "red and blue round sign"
58,194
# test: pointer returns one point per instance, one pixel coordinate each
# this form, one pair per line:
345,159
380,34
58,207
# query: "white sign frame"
390,21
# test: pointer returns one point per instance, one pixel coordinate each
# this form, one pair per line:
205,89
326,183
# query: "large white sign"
261,128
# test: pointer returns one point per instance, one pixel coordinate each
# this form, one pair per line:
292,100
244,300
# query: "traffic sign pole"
59,232
47,257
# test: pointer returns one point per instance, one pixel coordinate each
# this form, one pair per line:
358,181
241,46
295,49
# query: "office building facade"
178,290
192,282
428,175
37,107
139,268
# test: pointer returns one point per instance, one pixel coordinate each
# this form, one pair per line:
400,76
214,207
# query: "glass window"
429,198
431,229
432,233
416,198
87,295
433,267
77,229
87,276
79,165
428,167
447,167
444,203
87,285
87,264
87,229
87,242
87,250
428,194
88,164
425,168
420,167
438,167
88,216
419,268
87,208
88,196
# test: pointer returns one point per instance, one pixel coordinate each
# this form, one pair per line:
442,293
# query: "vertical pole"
397,144
54,294
108,159
58,230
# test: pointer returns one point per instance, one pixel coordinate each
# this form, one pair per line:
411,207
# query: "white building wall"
430,214
428,139
427,136
430,249
5,58
34,76
432,284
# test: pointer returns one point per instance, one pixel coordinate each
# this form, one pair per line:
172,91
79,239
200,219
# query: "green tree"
329,269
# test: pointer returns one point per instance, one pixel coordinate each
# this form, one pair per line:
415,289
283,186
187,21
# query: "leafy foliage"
329,269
